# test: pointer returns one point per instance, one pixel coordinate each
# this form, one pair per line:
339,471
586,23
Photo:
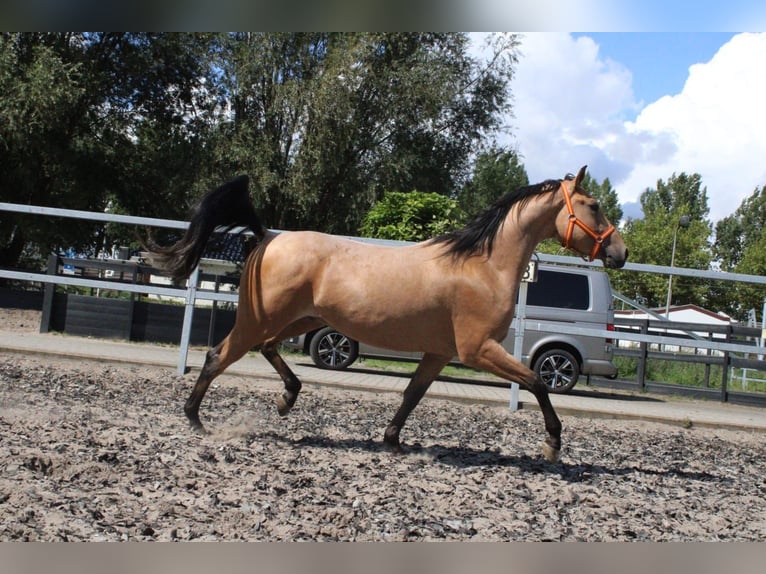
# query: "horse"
451,295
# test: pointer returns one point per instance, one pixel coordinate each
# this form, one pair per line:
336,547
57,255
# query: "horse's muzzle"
615,260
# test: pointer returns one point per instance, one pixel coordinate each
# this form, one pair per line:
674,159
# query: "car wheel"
558,369
330,349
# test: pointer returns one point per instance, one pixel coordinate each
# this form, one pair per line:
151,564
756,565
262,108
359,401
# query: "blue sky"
658,61
639,107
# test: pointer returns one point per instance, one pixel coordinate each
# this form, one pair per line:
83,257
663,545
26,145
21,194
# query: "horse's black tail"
227,206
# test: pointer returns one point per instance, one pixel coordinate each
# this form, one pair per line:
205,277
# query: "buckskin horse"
452,295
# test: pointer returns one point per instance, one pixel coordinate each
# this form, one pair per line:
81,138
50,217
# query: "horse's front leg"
430,366
552,445
492,357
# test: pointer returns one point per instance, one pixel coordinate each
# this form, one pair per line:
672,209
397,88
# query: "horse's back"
323,253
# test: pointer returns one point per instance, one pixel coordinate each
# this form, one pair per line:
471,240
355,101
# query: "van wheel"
330,349
558,369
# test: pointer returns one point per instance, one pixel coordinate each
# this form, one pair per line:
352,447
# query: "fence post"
643,354
725,368
213,312
707,364
48,292
518,344
191,295
133,281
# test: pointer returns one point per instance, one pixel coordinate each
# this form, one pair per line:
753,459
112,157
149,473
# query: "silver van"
572,297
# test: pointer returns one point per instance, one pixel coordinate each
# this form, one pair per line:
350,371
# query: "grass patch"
690,374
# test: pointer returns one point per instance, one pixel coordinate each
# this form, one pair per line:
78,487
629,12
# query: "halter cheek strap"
598,238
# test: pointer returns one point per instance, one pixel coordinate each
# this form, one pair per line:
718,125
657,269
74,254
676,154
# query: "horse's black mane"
478,237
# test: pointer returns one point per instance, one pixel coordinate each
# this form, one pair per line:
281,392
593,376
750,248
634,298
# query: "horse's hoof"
198,428
391,440
396,449
394,446
550,453
282,406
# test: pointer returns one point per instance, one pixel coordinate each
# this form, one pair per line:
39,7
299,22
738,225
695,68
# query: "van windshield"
559,289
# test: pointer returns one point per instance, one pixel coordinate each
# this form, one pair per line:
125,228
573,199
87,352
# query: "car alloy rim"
334,349
556,371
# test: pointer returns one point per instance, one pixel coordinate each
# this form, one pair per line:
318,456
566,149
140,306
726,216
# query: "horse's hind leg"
231,349
430,366
292,384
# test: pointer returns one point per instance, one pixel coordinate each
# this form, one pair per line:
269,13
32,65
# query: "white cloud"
568,107
718,122
571,105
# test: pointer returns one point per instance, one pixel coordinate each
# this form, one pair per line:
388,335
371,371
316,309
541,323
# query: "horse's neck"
522,232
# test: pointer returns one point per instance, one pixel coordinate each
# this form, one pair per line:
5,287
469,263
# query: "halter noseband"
598,238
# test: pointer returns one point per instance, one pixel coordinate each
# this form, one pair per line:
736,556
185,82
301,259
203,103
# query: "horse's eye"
595,207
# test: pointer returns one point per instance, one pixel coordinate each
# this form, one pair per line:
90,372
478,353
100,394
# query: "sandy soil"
90,451
19,320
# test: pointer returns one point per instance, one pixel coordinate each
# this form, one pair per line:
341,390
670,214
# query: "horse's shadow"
466,457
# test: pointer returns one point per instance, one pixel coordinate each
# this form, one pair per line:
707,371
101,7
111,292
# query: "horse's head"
582,226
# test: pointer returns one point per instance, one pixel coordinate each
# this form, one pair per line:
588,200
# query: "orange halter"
598,238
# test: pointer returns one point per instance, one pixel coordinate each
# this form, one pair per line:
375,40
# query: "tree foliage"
41,148
495,173
413,216
144,123
607,197
651,241
746,296
95,121
740,242
326,122
740,231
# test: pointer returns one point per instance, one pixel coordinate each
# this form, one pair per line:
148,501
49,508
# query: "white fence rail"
192,293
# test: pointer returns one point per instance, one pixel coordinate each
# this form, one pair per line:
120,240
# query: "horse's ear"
580,175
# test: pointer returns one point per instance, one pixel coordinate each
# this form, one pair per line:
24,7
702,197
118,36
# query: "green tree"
144,123
40,95
746,296
326,122
650,241
156,136
96,121
739,245
495,173
413,216
740,230
607,197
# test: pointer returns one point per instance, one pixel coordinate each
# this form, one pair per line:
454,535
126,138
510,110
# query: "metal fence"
730,352
730,347
190,293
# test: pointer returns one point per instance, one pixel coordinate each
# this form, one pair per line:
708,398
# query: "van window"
560,290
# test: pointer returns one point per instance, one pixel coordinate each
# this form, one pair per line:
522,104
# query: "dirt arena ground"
92,451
